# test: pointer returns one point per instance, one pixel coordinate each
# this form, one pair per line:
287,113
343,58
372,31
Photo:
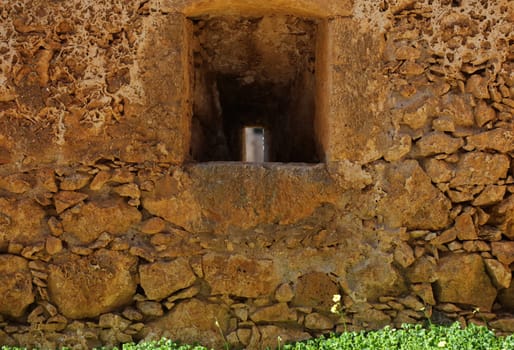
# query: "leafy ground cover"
408,337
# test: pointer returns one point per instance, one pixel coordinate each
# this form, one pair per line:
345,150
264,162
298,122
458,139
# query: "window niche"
254,81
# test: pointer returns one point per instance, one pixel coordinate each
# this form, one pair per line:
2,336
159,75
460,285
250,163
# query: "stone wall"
110,232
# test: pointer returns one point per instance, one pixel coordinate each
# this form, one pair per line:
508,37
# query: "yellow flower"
336,298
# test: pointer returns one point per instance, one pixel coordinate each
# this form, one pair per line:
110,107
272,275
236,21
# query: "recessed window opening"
256,144
254,79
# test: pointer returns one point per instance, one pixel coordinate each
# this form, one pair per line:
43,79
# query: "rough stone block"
83,287
462,279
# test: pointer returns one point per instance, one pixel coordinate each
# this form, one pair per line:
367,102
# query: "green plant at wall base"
407,337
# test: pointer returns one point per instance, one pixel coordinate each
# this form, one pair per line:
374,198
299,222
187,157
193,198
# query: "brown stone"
100,180
438,170
506,297
161,279
191,200
491,194
499,273
407,53
425,292
479,168
316,290
318,321
404,254
128,190
458,108
502,215
445,237
504,251
113,216
462,279
83,287
66,199
16,292
372,319
436,143
411,201
503,325
373,277
15,183
274,336
74,182
484,113
477,86
53,245
443,124
476,246
21,222
150,308
275,313
284,293
191,321
153,225
499,139
423,270
465,227
239,275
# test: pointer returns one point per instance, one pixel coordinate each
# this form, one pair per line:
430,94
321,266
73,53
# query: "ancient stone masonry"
126,213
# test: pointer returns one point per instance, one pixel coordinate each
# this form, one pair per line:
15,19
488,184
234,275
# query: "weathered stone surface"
458,108
316,290
272,336
503,324
506,297
21,222
191,321
477,86
191,200
438,170
374,277
15,183
372,319
423,270
16,292
150,308
240,275
403,254
502,215
504,251
318,321
275,313
161,279
484,113
411,200
465,227
479,168
425,292
492,194
445,237
436,143
66,199
284,293
153,225
499,273
83,287
499,139
113,216
462,279
74,181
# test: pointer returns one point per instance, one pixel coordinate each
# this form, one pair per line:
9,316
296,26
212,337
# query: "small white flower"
336,298
441,344
334,309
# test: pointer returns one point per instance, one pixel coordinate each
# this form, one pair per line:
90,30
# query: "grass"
408,337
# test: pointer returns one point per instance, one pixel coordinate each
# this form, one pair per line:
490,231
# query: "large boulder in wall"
88,286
